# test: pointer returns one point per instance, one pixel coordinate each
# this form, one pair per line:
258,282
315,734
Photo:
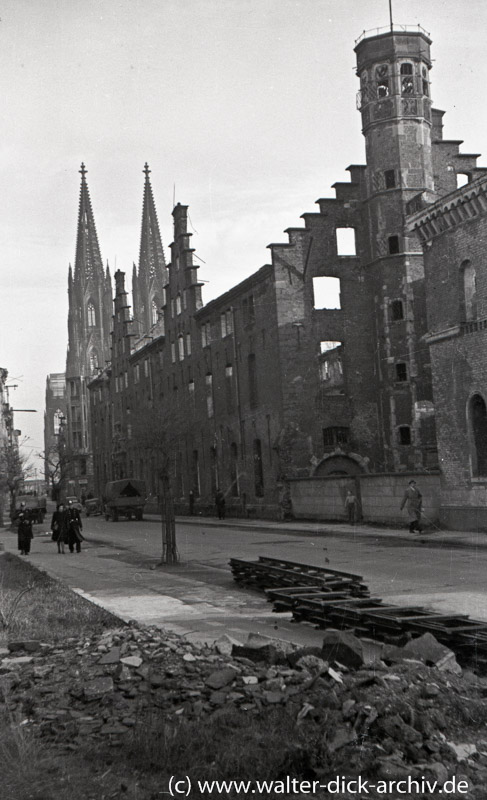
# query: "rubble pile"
410,712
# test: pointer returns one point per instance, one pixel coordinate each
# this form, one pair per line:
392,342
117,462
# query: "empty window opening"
335,437
229,387
469,290
390,178
326,292
462,179
205,334
397,310
346,242
383,88
181,347
401,371
406,68
478,420
393,245
209,395
404,433
407,85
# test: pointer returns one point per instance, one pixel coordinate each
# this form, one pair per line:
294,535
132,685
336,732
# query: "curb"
433,539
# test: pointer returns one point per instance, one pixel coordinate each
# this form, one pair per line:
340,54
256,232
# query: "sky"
245,111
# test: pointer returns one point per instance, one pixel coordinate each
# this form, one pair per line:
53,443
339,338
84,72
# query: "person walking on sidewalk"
413,500
59,527
220,504
23,518
351,507
75,527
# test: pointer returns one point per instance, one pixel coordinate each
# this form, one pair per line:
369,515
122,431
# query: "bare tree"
14,467
58,460
157,437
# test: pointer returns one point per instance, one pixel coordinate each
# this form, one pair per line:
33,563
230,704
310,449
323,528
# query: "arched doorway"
338,465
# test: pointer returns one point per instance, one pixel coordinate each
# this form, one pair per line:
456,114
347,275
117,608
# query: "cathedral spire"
148,283
88,263
151,258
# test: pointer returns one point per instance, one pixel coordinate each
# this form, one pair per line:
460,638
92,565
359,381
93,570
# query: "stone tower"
89,322
395,105
148,283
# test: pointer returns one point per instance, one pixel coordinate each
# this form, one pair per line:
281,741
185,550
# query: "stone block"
342,647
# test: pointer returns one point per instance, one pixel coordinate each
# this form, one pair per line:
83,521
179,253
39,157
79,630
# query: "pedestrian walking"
413,500
23,519
59,527
191,502
351,507
75,527
220,504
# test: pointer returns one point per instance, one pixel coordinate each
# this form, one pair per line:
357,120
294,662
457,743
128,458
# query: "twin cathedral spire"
90,287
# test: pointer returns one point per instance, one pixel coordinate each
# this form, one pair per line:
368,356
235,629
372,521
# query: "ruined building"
453,231
318,364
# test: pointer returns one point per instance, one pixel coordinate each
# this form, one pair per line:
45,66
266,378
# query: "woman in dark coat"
24,529
59,527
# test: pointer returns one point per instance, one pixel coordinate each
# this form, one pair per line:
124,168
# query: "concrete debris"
389,722
343,647
428,650
462,751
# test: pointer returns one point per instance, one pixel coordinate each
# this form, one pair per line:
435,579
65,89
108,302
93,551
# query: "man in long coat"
23,518
73,518
413,500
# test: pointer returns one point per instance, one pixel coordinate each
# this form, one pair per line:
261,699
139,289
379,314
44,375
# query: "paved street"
119,568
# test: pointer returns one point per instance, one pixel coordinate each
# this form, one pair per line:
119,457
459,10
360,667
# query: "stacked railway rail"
328,598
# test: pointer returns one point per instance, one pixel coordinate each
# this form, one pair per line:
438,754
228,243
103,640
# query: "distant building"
55,417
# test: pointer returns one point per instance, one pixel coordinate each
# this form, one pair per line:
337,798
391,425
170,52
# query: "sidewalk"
431,537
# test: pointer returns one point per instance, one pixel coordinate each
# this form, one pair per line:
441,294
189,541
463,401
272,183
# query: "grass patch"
232,745
49,610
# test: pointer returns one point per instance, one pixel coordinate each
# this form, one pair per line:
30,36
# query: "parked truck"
125,498
36,506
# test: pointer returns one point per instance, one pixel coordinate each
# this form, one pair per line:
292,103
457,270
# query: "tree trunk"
170,553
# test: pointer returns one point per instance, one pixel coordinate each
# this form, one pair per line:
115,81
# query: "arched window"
93,362
58,416
154,312
469,290
91,315
478,435
407,80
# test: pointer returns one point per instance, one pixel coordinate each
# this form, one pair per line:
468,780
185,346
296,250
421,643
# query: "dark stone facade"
454,235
